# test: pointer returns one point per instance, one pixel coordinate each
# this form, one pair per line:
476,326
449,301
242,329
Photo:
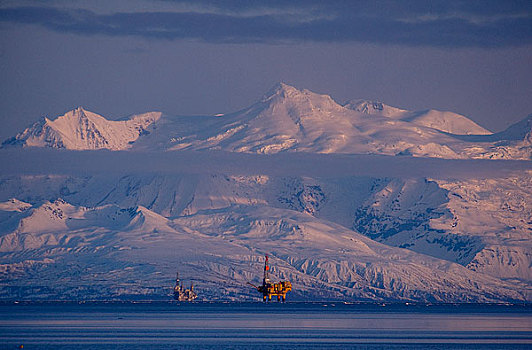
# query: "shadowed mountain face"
521,131
114,225
287,119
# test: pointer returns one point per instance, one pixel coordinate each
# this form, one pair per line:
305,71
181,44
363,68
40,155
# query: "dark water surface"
263,326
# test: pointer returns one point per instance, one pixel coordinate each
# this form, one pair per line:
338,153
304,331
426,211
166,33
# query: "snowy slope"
83,130
288,119
58,222
446,121
320,258
14,205
454,220
449,122
285,119
513,143
375,108
96,230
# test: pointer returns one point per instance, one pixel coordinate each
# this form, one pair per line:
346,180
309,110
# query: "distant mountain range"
90,233
288,119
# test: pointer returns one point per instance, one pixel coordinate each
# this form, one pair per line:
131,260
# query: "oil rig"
268,288
182,294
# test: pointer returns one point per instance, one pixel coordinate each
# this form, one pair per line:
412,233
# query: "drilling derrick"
269,289
266,278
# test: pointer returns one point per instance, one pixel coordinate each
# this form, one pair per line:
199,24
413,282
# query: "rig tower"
269,289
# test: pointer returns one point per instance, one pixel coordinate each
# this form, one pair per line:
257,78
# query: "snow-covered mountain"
139,248
375,108
513,143
98,231
444,121
285,119
83,130
351,238
288,119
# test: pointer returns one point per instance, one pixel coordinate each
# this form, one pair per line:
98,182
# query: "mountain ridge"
304,248
80,129
285,119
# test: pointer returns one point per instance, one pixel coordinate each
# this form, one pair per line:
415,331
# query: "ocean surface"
326,325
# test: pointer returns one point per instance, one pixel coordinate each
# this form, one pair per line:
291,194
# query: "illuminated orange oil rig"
268,288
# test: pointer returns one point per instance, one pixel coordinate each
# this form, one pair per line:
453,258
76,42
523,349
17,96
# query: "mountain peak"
73,113
281,89
79,110
280,86
374,108
284,93
80,129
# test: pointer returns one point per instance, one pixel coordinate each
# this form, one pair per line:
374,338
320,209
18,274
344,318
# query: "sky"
118,58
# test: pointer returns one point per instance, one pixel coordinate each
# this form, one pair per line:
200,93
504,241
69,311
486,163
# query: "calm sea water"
264,326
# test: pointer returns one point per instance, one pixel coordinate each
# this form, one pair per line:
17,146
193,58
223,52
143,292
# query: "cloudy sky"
205,57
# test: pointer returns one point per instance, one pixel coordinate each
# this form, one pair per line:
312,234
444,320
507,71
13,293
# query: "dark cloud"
413,23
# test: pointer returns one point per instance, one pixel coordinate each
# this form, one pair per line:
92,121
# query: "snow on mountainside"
58,223
14,205
288,119
375,108
513,143
483,226
83,130
97,230
285,119
320,258
455,220
445,121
